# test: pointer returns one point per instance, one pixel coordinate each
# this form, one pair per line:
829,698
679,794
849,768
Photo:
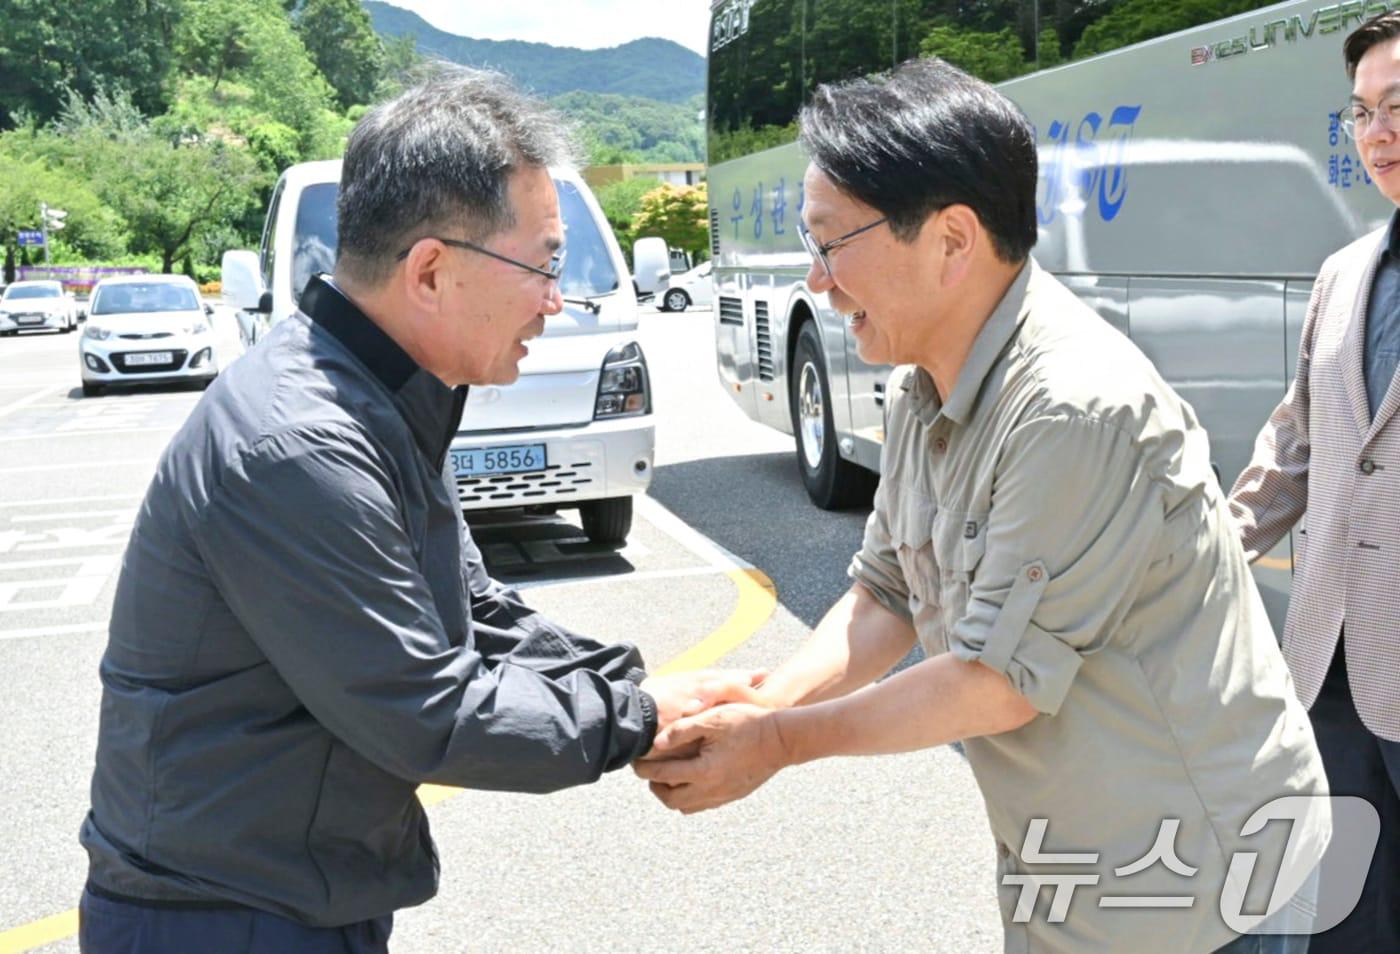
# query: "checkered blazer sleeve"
1271,494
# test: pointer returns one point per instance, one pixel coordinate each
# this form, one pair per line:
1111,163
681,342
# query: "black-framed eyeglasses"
819,250
1356,119
552,271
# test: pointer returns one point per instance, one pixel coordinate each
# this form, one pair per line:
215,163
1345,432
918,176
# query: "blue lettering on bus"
756,210
737,203
1089,171
778,209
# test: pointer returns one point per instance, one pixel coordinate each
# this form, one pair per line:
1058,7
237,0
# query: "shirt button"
1368,466
940,445
1034,574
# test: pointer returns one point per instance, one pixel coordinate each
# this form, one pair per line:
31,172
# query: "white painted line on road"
620,577
68,465
129,513
63,501
687,536
53,631
90,432
25,401
79,589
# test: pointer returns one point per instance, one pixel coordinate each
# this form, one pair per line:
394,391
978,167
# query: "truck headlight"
623,389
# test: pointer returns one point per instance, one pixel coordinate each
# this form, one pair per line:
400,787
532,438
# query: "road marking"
129,513
1274,563
53,501
24,401
79,589
91,432
106,464
30,633
37,934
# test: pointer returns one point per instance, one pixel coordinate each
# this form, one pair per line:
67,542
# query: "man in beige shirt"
1048,528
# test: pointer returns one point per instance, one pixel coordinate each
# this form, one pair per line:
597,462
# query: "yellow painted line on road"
1274,563
758,597
37,934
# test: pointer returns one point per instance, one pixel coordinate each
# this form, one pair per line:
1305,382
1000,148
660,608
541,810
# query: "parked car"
575,431
146,329
37,306
689,288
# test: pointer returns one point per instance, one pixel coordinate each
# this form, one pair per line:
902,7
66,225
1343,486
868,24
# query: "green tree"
620,202
47,48
989,56
341,40
678,214
1136,20
91,228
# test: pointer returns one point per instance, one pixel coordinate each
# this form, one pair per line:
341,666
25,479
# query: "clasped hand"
718,739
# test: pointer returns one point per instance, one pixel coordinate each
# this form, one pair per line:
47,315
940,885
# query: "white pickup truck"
575,431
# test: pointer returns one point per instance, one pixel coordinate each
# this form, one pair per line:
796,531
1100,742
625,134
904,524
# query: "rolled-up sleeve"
307,546
876,566
1071,532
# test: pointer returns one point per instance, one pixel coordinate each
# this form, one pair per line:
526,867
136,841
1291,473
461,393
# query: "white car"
146,329
37,306
689,288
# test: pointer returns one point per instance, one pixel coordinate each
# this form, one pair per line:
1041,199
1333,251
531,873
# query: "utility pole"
51,220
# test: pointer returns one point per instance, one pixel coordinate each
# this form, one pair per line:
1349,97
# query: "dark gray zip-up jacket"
303,632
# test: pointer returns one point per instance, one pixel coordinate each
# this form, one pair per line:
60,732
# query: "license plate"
150,357
30,319
507,459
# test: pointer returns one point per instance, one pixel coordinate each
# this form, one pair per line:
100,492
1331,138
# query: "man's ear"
421,275
958,237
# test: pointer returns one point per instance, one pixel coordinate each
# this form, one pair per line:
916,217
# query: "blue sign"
31,237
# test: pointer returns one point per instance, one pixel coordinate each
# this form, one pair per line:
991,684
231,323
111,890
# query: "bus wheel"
831,482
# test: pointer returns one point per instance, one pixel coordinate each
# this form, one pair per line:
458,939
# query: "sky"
588,24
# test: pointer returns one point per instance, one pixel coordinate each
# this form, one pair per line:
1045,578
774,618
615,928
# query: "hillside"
651,68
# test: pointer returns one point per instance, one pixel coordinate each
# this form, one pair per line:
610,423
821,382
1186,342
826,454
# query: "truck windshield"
588,268
313,244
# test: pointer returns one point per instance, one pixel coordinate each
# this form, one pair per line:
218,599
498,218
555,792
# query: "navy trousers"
107,926
1360,763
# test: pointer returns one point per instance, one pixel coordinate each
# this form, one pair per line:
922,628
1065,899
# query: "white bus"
1190,186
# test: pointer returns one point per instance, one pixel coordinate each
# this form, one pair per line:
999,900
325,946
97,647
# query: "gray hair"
436,159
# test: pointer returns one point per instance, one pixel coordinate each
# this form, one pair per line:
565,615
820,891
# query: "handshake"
718,738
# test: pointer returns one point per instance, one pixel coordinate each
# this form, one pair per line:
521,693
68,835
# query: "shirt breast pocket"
959,541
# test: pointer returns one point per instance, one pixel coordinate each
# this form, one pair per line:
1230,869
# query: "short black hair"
1375,31
925,136
437,160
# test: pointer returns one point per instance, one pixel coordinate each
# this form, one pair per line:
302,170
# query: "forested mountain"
649,68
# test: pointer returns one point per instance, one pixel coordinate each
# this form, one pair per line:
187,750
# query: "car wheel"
607,521
91,390
676,300
831,482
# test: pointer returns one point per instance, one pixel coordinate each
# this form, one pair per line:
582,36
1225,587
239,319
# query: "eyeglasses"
819,251
1356,119
552,271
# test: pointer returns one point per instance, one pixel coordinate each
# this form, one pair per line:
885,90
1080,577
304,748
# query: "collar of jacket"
1392,237
431,409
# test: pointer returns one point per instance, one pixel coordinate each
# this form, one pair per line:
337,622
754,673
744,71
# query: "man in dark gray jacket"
303,629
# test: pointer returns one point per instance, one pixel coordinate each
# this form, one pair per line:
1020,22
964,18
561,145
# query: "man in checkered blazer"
1332,450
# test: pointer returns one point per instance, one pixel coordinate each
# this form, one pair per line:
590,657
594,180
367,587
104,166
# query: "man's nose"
818,278
553,300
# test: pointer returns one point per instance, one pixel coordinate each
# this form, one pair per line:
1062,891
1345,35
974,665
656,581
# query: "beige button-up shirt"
1058,520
